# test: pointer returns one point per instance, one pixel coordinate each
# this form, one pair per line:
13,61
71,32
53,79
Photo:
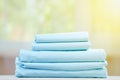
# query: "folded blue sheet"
62,56
62,66
62,37
37,73
60,46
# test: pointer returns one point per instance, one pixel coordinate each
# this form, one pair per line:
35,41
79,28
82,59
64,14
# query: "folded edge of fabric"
95,55
62,37
33,73
77,66
61,46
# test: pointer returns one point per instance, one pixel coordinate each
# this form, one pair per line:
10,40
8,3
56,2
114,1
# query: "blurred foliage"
22,19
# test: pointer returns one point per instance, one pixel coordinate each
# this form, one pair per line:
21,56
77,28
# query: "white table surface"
12,77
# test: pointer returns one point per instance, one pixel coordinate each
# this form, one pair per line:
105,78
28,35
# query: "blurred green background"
21,20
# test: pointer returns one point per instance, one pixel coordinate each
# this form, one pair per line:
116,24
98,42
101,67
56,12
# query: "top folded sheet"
62,37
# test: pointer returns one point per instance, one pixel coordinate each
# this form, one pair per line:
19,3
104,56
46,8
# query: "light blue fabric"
37,73
62,56
60,46
62,37
62,66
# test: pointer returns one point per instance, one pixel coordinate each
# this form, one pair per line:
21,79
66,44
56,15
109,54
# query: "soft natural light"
21,20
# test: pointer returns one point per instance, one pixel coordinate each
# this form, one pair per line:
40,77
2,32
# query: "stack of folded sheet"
62,55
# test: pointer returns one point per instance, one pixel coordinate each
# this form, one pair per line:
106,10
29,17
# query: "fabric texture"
60,46
62,66
62,37
36,73
62,56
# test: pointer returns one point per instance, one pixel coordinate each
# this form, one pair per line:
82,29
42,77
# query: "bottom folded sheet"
37,73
